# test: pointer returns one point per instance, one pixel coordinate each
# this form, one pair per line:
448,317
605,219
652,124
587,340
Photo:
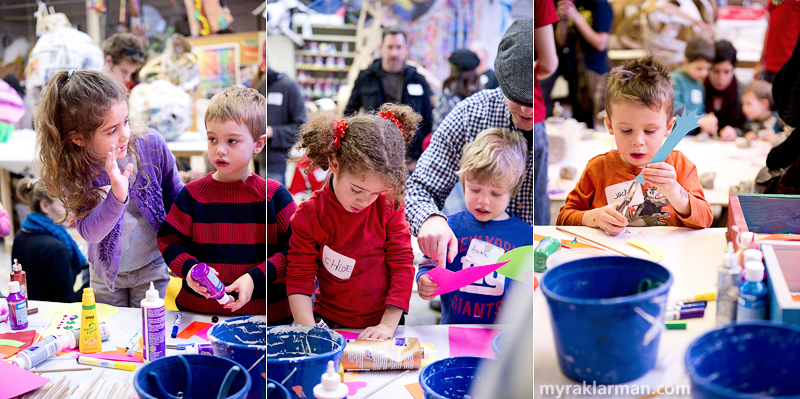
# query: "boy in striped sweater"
220,219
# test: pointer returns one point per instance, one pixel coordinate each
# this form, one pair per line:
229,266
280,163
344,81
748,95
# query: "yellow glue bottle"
90,326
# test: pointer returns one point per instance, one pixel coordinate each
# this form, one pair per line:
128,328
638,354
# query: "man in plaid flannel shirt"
510,107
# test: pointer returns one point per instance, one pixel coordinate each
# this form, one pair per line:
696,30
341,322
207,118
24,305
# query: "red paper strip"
22,336
193,329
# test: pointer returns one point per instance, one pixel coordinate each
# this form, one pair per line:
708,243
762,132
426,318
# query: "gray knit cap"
514,63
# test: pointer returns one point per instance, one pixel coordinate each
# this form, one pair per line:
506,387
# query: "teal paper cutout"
683,125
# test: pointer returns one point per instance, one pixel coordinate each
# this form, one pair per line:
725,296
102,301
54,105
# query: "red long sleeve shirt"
377,239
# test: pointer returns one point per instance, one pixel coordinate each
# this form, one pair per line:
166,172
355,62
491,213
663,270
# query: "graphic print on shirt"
482,253
337,264
650,212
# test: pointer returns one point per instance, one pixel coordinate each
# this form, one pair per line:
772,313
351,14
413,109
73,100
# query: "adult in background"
510,107
783,28
389,80
286,112
488,77
464,81
724,92
124,54
582,34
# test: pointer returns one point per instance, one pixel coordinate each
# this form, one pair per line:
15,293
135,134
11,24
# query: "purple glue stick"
205,277
685,314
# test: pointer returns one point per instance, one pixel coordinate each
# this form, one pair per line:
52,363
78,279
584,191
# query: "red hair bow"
392,117
338,133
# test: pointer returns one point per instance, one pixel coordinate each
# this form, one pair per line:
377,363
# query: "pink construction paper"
114,357
466,341
204,332
450,281
17,381
348,335
353,387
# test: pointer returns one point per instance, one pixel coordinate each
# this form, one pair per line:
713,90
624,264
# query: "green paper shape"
520,263
11,342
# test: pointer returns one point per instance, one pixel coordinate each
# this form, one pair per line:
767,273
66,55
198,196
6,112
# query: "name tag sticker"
617,193
415,89
275,99
337,264
697,96
481,253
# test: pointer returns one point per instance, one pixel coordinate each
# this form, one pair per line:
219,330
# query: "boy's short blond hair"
762,90
496,155
241,105
645,81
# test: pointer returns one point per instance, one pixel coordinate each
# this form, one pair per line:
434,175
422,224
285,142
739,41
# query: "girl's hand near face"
119,180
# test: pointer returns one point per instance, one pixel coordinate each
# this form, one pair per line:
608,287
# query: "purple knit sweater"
154,197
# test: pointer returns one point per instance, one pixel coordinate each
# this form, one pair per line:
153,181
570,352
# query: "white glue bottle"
154,331
728,281
40,351
330,387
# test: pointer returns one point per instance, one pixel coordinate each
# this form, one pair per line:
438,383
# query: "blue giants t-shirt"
481,301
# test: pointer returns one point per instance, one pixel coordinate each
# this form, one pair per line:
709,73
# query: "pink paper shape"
354,387
114,357
17,381
450,281
348,335
204,332
466,341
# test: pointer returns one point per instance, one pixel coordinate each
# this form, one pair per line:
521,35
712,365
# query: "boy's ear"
260,143
76,138
109,61
765,103
607,123
670,125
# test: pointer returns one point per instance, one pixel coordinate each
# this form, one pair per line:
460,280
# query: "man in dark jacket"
389,79
285,113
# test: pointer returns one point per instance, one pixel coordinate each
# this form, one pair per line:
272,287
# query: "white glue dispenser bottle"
154,331
331,386
728,281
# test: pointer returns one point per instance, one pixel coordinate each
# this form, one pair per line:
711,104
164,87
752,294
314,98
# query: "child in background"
5,222
762,121
220,220
280,208
46,251
119,185
689,83
491,173
640,116
352,234
124,54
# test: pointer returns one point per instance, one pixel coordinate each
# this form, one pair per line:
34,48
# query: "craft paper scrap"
17,381
348,334
466,341
193,329
684,125
204,332
450,281
415,390
567,243
71,312
11,342
653,254
351,376
520,261
7,351
26,337
114,357
354,386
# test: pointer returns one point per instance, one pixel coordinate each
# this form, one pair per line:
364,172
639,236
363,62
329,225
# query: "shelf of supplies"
330,38
325,69
334,54
343,27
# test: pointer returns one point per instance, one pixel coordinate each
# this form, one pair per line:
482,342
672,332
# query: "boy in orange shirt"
640,109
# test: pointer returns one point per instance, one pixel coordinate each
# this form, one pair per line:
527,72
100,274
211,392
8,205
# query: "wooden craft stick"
60,370
94,381
33,311
46,326
387,383
113,390
654,394
591,241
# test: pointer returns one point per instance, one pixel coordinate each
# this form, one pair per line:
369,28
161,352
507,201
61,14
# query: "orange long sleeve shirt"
607,177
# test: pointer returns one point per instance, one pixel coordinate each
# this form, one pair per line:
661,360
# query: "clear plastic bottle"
751,255
752,303
728,280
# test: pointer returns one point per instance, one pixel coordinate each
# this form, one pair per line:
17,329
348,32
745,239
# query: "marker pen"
132,342
176,325
91,361
684,314
675,306
701,297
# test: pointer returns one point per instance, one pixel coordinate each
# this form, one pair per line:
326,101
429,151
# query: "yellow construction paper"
432,358
351,377
104,312
653,254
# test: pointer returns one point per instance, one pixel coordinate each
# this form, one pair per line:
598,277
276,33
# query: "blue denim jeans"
541,202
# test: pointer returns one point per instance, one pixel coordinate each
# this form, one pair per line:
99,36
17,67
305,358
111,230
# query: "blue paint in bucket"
277,391
499,343
600,319
203,379
756,359
305,350
451,378
243,339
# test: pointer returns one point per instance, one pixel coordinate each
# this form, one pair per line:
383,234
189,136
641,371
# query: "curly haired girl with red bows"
352,235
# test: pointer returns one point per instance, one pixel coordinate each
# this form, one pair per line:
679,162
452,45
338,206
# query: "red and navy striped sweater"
280,208
224,225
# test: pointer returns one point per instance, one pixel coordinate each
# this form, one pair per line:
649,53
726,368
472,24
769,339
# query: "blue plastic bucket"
746,360
277,391
243,339
197,376
499,343
605,329
451,378
303,352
